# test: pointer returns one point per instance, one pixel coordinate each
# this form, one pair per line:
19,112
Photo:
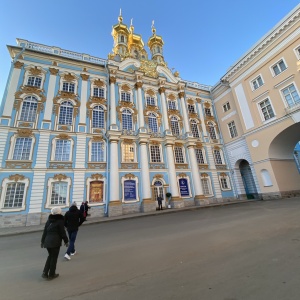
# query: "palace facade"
121,131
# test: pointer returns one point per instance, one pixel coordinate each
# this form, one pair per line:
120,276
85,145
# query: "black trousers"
50,265
160,205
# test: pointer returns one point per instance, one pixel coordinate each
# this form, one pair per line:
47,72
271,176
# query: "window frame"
226,106
131,120
53,150
261,110
178,159
222,177
232,129
154,154
123,153
52,180
284,98
202,154
13,141
209,186
256,81
277,64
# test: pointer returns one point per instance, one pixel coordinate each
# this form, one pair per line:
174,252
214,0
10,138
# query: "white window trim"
49,193
105,115
228,182
62,80
137,189
296,52
254,79
132,116
203,154
189,186
221,154
42,75
129,92
183,153
90,150
53,148
5,181
13,144
210,186
88,182
135,154
232,137
277,61
161,154
59,102
154,113
282,96
155,100
93,85
262,115
225,104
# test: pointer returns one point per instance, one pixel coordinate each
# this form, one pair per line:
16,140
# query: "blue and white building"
117,132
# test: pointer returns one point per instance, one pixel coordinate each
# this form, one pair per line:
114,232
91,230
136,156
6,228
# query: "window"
128,152
218,157
122,39
29,109
98,117
194,128
59,191
68,87
226,106
150,101
62,150
207,112
191,108
291,96
224,184
66,113
155,153
152,122
279,67
22,148
34,81
172,105
206,186
266,109
126,119
99,92
232,129
257,82
125,96
211,130
297,51
175,126
199,156
97,151
179,158
15,192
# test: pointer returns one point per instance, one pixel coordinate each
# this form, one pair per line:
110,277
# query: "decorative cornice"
129,176
63,136
35,71
97,176
16,177
60,177
53,71
162,90
138,85
84,77
18,65
69,77
24,132
99,83
181,94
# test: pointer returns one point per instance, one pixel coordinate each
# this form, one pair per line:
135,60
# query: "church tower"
155,44
136,45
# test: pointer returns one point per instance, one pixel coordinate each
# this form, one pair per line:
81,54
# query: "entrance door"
248,181
96,192
159,191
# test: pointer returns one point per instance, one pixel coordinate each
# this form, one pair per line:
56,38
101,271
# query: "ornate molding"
204,175
199,145
97,176
63,136
112,80
138,85
18,65
129,176
53,71
162,90
181,94
84,77
35,71
99,83
16,177
182,175
60,165
149,68
69,77
96,165
158,176
24,132
18,164
129,166
97,138
60,177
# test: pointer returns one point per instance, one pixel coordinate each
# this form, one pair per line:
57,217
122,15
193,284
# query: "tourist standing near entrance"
54,233
159,200
73,219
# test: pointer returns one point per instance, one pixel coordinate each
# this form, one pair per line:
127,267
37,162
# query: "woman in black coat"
54,233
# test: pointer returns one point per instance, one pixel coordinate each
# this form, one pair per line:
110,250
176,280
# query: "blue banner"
183,186
129,190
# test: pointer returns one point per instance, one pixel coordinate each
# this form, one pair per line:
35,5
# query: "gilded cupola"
136,44
155,44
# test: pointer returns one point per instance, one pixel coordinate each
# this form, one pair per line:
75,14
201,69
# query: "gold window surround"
65,96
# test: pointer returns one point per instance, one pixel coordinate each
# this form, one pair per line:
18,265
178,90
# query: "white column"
12,88
202,118
145,171
50,94
83,99
140,104
114,172
172,171
113,115
164,108
185,115
195,172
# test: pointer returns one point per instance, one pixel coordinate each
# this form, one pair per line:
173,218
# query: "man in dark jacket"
54,233
73,219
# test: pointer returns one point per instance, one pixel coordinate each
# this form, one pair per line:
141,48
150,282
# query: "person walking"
159,201
73,220
53,234
84,208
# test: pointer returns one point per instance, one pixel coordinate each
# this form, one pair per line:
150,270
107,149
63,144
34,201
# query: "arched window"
97,154
98,117
127,119
175,126
122,38
22,148
158,189
66,113
194,128
266,177
29,108
212,131
152,122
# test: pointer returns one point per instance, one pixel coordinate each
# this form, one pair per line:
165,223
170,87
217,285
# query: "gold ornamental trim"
53,71
97,138
193,115
190,101
112,80
129,176
171,97
199,145
24,132
128,141
216,148
63,136
18,65
69,77
138,85
162,90
182,175
125,88
206,105
98,83
60,177
223,174
198,100
150,93
181,95
84,77
16,177
35,71
97,176
178,144
204,175
149,68
158,176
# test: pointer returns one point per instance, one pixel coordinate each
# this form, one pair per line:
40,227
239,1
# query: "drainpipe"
105,137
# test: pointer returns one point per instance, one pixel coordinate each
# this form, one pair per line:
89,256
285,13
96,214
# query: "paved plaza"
242,251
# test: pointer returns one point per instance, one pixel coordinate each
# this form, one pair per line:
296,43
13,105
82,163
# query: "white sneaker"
73,253
67,256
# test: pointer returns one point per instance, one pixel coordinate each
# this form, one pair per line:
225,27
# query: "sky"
202,39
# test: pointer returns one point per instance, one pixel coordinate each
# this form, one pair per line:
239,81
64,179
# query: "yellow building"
257,103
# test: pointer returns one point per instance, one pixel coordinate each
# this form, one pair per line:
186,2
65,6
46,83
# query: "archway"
248,180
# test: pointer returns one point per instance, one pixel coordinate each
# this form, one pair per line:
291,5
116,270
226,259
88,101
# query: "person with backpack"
53,234
73,220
